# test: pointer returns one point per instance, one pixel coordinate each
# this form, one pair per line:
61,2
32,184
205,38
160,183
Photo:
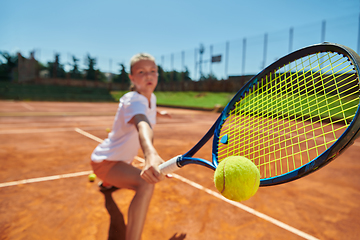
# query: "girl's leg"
123,175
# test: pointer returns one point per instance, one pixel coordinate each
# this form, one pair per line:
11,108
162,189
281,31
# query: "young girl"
132,129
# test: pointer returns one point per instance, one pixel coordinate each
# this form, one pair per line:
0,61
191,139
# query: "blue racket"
291,119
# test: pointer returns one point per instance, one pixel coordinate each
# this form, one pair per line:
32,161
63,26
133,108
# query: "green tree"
100,76
123,77
41,66
173,76
90,71
75,72
161,76
210,76
56,70
186,75
7,67
167,76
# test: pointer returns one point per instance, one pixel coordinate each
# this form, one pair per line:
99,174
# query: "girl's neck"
147,95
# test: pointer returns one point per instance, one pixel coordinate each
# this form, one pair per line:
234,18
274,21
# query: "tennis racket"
291,119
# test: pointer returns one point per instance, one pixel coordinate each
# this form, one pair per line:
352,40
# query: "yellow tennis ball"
92,177
237,178
108,130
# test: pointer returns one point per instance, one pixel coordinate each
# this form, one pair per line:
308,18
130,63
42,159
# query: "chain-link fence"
238,57
248,55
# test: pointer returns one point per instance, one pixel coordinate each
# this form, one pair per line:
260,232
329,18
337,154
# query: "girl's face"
144,76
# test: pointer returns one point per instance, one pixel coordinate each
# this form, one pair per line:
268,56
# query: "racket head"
295,116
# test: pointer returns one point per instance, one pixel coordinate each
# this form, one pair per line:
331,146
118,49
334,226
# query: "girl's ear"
132,85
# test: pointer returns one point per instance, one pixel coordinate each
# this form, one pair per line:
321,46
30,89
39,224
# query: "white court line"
27,106
43,179
49,178
193,184
17,131
248,209
241,206
88,135
217,195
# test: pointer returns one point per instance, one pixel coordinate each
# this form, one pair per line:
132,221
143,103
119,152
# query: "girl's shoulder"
133,96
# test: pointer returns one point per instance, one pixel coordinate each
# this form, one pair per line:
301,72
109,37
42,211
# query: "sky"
118,29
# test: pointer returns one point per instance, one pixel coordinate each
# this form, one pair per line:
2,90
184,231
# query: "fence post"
195,56
162,61
227,59
110,70
323,31
291,39
182,66
265,50
244,56
210,62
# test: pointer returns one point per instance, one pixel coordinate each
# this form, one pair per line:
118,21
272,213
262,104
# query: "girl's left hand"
151,172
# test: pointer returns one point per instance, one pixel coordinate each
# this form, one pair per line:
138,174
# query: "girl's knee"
145,187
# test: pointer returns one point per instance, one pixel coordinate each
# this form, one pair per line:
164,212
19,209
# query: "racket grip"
169,166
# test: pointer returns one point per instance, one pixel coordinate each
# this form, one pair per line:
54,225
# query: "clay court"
45,192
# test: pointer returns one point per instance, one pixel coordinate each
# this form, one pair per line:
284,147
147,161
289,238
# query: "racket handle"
169,166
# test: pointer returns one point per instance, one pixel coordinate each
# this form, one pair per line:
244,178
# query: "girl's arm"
150,171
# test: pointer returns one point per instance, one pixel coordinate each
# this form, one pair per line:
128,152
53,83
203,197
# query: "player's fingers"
150,177
155,174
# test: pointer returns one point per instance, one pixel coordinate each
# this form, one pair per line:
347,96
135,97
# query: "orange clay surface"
38,139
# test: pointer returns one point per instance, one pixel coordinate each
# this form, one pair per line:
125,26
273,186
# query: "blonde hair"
136,58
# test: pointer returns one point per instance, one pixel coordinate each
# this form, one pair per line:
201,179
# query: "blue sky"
117,30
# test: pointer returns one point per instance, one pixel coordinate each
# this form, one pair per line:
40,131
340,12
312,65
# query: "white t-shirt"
123,142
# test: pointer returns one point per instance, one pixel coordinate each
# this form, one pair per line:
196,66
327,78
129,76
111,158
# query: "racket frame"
346,139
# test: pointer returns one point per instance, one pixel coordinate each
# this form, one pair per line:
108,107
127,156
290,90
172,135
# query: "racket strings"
293,114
